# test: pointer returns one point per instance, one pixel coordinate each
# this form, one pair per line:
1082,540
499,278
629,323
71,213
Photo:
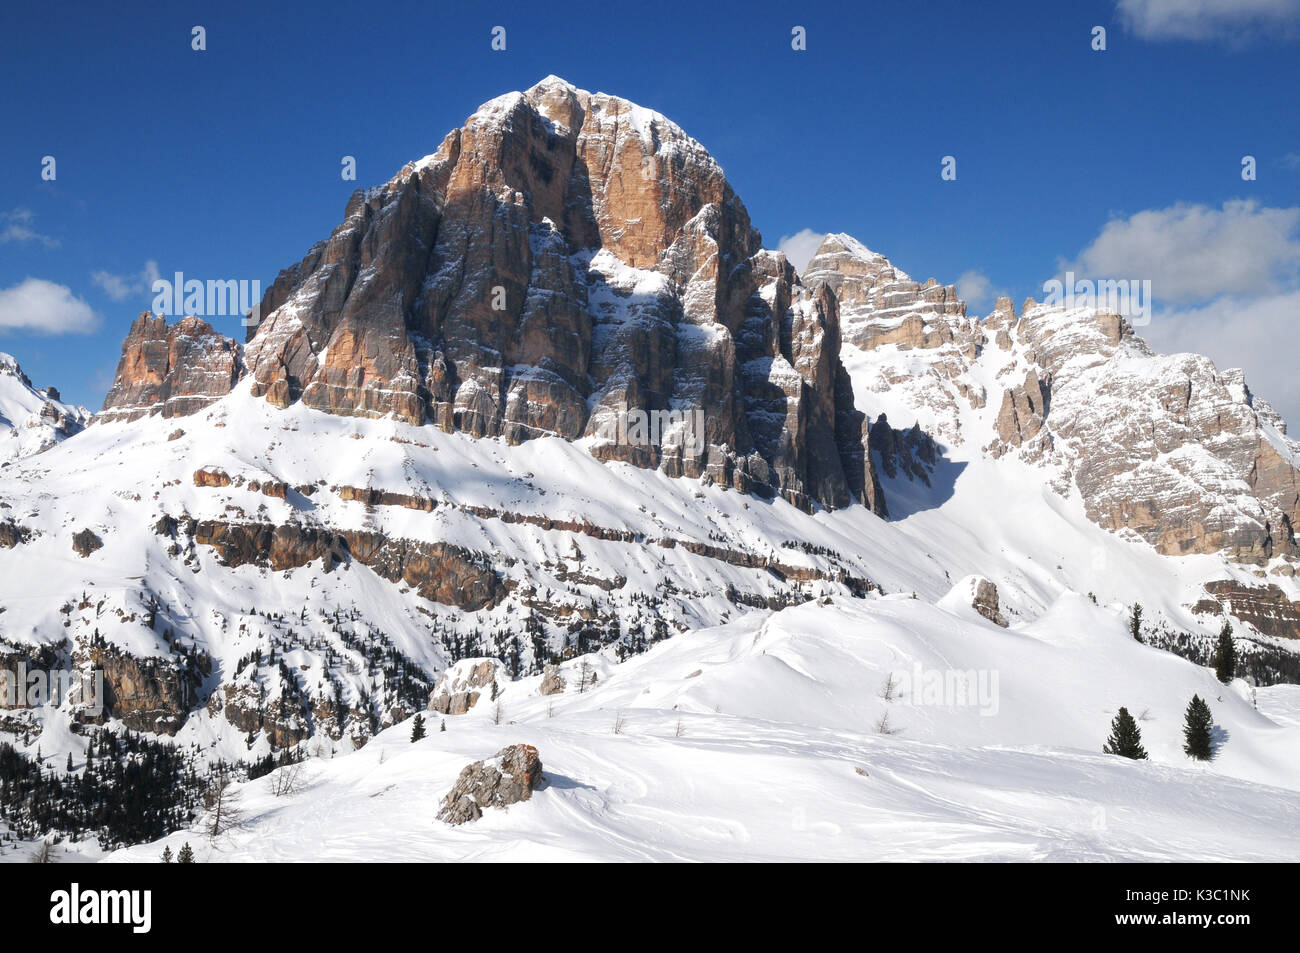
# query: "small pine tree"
186,856
1196,730
167,855
1225,658
1135,623
1125,738
417,730
69,762
444,725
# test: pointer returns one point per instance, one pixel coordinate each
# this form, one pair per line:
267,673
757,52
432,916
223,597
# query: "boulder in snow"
507,778
552,681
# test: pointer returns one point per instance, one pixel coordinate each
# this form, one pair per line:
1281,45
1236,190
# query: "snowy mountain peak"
634,284
32,420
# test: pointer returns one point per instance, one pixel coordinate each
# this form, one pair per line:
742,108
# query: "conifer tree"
1225,658
1125,738
186,856
167,855
1196,730
417,730
1135,623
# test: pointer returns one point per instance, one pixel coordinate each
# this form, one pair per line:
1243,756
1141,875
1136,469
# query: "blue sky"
225,163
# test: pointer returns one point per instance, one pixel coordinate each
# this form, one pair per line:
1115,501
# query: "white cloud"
43,306
121,287
16,226
1192,253
975,289
800,247
1230,20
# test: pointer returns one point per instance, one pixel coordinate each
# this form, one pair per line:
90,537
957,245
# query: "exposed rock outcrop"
459,688
1267,608
18,660
211,477
507,778
880,304
86,542
1168,447
440,572
563,258
172,370
919,337
911,452
147,694
986,602
566,258
12,533
284,718
31,420
1023,411
552,681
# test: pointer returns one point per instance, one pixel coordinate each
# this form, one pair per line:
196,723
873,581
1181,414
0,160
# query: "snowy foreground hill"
754,741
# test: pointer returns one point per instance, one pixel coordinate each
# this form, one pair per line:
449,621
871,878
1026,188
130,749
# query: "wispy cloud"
1231,21
976,290
44,307
16,226
800,247
121,287
1192,253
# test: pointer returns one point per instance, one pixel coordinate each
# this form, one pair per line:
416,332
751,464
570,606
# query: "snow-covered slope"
761,740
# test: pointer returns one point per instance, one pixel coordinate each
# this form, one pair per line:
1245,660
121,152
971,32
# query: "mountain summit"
32,420
564,259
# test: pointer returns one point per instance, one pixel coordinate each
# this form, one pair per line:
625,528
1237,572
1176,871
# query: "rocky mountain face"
563,260
32,420
920,341
171,370
1169,448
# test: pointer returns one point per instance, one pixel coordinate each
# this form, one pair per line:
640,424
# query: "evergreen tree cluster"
265,765
131,790
1198,733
